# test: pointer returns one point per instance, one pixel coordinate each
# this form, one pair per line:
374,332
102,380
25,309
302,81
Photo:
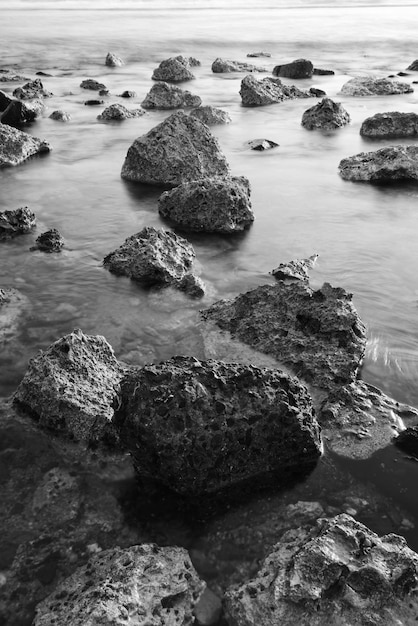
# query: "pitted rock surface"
179,149
210,115
326,114
393,124
295,270
255,92
201,426
119,112
49,241
16,222
112,60
389,164
371,86
301,68
16,112
165,96
209,205
32,90
17,146
220,66
93,85
175,69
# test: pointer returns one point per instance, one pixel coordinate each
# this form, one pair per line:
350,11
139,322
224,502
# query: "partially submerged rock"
17,146
371,86
317,71
175,69
94,85
144,584
60,116
338,573
389,164
49,241
165,96
209,205
262,144
16,112
112,60
407,440
32,90
327,114
255,92
128,94
177,150
259,54
16,222
119,112
301,68
295,270
388,125
210,115
201,426
9,76
93,102
11,305
220,66
70,387
414,66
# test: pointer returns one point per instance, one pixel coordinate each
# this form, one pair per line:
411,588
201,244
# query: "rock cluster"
371,86
210,115
327,114
389,164
221,66
390,125
175,69
17,146
119,112
255,92
301,68
165,96
16,222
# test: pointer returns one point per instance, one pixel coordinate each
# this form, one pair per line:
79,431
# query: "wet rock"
119,112
388,125
93,102
112,60
8,76
92,84
301,68
220,66
402,74
144,584
262,144
255,92
317,93
16,112
209,205
60,116
413,67
407,440
201,426
41,73
16,222
327,114
17,146
49,241
295,270
174,69
259,54
338,573
177,150
32,90
389,164
128,94
104,92
320,72
210,115
165,96
152,257
208,609
371,86
192,285
12,303
70,387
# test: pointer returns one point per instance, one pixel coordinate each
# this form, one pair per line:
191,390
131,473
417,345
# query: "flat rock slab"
210,115
175,69
255,92
202,426
165,96
17,146
389,164
327,114
301,68
390,125
220,66
370,86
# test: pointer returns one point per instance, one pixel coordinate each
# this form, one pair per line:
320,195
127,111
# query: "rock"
388,125
16,112
174,69
327,114
60,116
119,112
104,92
152,257
165,96
202,426
220,66
319,72
16,222
32,90
371,86
209,204
177,150
338,573
112,60
128,94
144,584
192,285
301,68
11,305
402,74
49,241
259,54
317,93
262,144
413,67
92,84
93,102
210,115
255,92
208,609
41,73
407,440
8,76
17,146
70,387
295,270
392,163
318,334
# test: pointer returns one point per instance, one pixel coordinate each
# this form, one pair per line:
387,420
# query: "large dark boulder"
209,204
327,114
16,222
389,164
201,426
119,112
16,112
210,115
371,86
165,96
177,150
220,66
301,68
255,92
390,125
17,146
32,90
337,573
175,69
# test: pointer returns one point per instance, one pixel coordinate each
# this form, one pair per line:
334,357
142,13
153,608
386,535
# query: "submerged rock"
327,114
209,204
338,573
113,61
301,68
407,440
32,90
389,164
388,125
70,387
177,150
49,241
201,426
371,86
94,85
255,92
17,146
220,66
165,96
144,584
16,222
16,112
119,112
262,144
60,116
210,115
175,69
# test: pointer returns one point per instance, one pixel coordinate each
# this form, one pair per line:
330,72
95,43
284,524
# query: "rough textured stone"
16,112
112,60
388,125
317,334
174,69
49,241
60,116
320,72
295,270
386,165
220,66
144,584
209,204
16,222
201,426
339,573
327,114
262,144
179,149
301,68
119,112
371,86
32,90
407,440
17,146
255,92
192,285
210,115
128,94
70,387
259,54
165,96
414,66
94,85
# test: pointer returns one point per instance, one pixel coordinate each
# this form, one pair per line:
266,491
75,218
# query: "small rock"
210,115
16,222
319,72
174,69
371,86
128,94
16,112
165,96
119,112
104,92
407,440
220,66
112,60
327,115
295,270
259,54
49,241
93,102
17,146
92,84
60,116
30,91
301,68
262,144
